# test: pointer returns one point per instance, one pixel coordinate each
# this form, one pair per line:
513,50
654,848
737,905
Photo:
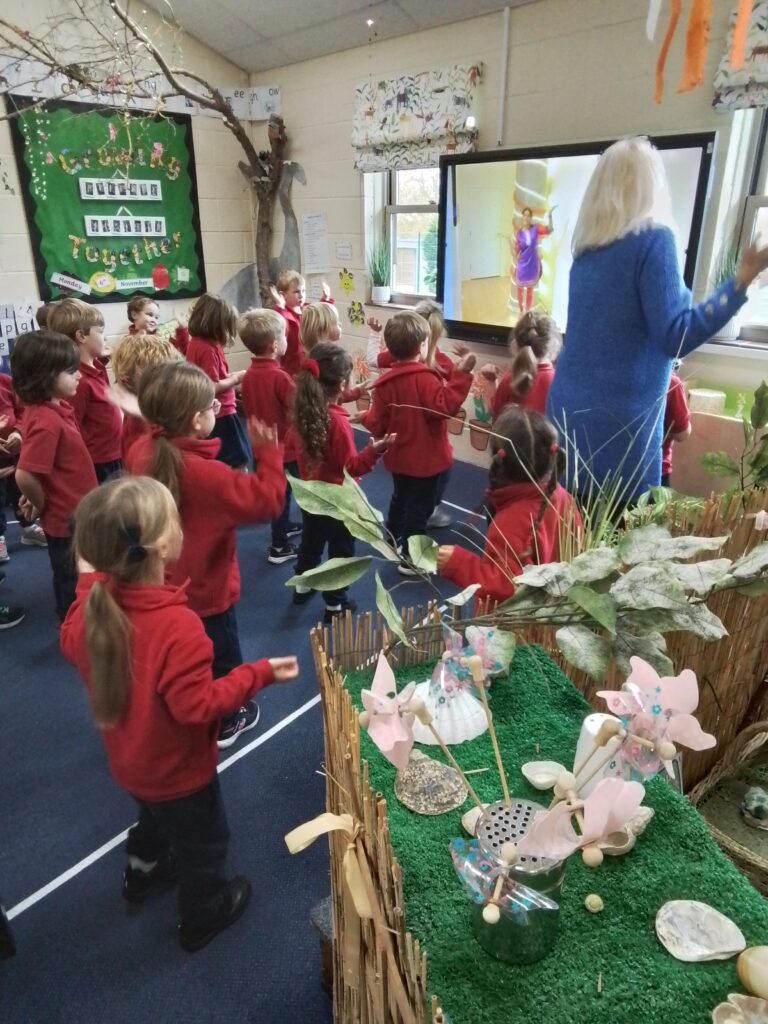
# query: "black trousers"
106,470
10,495
280,525
222,632
413,500
317,531
195,829
64,573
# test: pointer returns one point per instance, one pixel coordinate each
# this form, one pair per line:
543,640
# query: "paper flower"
551,834
389,727
494,646
656,708
609,807
478,873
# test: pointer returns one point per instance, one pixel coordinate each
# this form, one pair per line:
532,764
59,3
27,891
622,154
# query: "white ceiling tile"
213,24
346,32
431,13
259,56
280,17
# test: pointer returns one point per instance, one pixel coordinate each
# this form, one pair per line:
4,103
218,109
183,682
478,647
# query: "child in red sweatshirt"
325,448
55,469
132,355
177,400
535,343
415,402
531,508
143,317
267,393
146,661
11,411
97,415
290,298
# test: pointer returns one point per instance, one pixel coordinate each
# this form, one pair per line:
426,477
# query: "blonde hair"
72,315
625,187
135,352
259,329
169,396
288,277
405,333
433,313
122,528
213,319
317,319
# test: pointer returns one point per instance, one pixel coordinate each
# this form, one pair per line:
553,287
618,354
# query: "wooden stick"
454,764
606,732
598,768
478,675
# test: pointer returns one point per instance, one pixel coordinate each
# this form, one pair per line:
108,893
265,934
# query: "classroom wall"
577,71
225,211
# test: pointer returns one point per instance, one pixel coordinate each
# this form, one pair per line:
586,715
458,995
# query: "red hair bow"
156,431
100,577
312,366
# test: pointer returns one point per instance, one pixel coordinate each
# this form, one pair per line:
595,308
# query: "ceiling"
272,33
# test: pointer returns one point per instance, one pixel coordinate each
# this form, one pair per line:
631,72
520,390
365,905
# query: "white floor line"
461,508
108,846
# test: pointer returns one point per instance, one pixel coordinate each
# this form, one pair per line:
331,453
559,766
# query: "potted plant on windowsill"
725,268
380,270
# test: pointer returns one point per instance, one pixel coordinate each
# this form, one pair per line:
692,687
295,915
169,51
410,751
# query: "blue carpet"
86,958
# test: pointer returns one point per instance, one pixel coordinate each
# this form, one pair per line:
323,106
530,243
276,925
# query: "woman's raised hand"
754,260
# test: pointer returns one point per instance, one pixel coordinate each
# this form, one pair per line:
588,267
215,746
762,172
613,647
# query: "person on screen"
629,317
526,256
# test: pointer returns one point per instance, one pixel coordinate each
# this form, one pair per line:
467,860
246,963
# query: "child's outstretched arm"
258,496
373,346
464,568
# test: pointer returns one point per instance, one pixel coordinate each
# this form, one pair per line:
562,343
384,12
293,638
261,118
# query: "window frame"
391,209
752,333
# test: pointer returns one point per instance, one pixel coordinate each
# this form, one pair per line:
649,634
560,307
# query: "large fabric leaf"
333,574
347,503
753,564
555,577
423,552
386,606
651,647
648,586
596,564
701,577
584,649
600,607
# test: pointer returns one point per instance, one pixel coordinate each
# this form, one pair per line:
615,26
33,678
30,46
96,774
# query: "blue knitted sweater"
629,318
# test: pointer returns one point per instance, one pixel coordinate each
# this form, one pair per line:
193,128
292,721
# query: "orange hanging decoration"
740,29
674,17
696,39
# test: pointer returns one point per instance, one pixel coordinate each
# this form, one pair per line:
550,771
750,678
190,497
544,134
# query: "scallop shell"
693,931
741,1009
470,819
428,786
752,969
542,774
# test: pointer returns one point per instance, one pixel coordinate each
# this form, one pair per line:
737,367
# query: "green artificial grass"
674,859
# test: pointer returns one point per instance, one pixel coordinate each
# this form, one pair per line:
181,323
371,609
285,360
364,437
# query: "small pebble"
594,903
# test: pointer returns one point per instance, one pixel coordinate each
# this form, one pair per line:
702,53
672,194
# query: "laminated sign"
111,202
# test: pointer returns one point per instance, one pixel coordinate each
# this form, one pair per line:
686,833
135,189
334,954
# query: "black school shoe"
138,884
236,897
333,611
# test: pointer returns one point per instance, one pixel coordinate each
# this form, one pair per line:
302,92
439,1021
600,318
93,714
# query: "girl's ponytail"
523,373
165,465
107,637
433,314
536,337
316,385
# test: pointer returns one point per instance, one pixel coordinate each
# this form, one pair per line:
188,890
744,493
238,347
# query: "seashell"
618,843
593,903
427,786
754,807
542,774
752,968
640,820
692,932
456,714
741,1009
470,819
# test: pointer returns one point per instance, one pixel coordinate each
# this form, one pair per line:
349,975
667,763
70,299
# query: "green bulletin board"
111,201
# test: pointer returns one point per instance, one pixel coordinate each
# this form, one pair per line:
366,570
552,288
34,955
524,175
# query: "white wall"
225,212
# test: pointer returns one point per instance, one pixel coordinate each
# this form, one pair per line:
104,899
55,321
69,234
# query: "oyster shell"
427,786
693,932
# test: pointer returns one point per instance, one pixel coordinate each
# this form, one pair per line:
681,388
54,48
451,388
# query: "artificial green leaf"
355,486
701,577
555,577
759,413
600,607
495,645
460,599
640,545
584,649
696,618
686,547
423,552
651,647
595,564
386,606
347,503
525,599
755,589
719,463
752,564
749,430
648,586
333,574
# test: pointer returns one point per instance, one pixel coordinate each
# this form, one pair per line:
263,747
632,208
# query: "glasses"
214,407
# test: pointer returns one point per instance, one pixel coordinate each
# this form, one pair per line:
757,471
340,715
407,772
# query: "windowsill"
740,349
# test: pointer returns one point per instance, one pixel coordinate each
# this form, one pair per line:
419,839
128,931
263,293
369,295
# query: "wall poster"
111,201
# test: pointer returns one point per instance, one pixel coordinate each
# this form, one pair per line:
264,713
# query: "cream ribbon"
356,902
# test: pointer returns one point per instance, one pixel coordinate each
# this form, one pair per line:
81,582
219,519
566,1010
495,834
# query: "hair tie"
313,367
136,550
554,447
156,431
502,452
100,577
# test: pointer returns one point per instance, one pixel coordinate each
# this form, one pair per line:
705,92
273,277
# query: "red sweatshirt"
677,418
10,407
134,427
164,746
294,353
214,500
422,447
536,398
443,363
267,393
179,339
340,452
209,356
99,419
510,542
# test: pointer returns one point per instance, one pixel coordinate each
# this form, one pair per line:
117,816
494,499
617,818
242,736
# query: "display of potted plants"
380,271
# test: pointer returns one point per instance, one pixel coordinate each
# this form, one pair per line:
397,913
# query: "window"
411,217
754,316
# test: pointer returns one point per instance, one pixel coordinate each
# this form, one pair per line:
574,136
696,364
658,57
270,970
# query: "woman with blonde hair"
629,317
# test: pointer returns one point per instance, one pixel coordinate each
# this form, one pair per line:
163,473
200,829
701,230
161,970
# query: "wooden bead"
364,719
592,856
